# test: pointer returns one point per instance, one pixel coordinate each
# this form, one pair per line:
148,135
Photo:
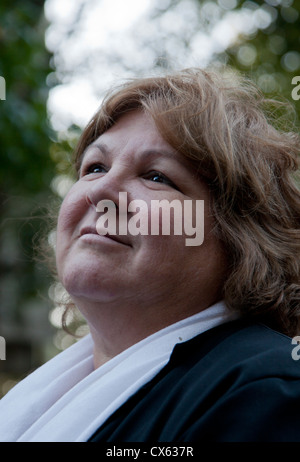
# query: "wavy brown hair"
236,140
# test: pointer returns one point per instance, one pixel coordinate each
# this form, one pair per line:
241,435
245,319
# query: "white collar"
66,400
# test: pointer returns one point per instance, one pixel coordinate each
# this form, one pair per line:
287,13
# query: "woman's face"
132,157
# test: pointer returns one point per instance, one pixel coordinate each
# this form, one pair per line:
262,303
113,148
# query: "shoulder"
244,384
246,347
235,382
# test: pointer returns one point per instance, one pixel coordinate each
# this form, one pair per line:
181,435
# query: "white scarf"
66,400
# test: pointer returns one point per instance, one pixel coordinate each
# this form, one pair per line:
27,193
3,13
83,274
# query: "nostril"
90,202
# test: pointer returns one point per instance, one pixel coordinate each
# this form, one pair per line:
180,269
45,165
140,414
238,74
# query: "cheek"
71,211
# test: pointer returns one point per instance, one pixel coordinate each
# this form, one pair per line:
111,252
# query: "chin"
83,285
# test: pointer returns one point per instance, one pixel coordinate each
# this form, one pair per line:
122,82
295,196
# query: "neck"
115,327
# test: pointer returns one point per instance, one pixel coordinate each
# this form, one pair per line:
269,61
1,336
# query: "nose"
106,187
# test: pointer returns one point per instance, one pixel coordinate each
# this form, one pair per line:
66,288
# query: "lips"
91,230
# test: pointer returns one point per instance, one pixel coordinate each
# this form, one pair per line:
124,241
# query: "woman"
187,342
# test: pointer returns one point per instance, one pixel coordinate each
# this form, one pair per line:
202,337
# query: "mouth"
118,239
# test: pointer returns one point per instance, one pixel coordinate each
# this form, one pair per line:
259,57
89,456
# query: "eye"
94,168
158,177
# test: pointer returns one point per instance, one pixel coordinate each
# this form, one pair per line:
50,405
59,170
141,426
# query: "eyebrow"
154,153
101,146
146,153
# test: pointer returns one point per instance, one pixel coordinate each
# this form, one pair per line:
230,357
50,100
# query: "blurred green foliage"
271,55
26,167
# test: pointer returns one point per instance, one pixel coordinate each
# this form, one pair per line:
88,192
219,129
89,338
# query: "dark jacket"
236,382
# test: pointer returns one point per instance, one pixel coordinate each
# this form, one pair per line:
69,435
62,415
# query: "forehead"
136,126
136,131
